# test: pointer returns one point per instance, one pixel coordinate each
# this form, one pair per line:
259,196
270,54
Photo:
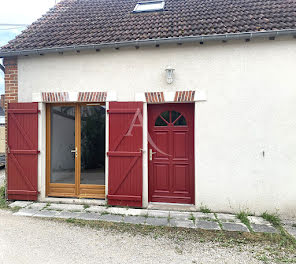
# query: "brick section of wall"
154,97
92,96
11,90
184,96
11,80
55,97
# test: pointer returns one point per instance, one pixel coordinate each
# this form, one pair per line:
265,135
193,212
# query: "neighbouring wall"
245,131
2,139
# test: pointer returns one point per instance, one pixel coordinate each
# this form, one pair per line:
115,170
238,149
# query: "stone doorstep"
207,225
228,218
48,214
182,223
158,213
291,230
258,220
239,227
204,216
157,221
26,212
143,216
134,220
66,207
21,204
264,228
38,206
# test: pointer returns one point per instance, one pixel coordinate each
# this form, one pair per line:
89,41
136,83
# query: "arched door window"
170,118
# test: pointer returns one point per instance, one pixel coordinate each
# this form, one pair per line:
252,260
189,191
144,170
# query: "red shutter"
125,155
22,151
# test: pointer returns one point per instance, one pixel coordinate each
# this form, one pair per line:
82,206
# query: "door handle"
75,151
150,154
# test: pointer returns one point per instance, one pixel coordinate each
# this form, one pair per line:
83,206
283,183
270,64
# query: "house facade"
198,119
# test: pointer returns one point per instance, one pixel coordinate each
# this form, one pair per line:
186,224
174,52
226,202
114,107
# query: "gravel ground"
2,176
30,240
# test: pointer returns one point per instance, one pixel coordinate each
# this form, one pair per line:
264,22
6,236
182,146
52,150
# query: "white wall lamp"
169,74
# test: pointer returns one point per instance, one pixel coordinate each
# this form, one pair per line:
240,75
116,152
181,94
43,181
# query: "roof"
73,23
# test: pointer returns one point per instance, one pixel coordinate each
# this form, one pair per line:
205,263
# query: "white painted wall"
251,108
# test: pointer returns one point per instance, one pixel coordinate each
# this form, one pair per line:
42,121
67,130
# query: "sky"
19,12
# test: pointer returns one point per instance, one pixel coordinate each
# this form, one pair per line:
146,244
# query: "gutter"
179,40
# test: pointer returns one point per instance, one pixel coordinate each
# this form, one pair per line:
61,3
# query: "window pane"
175,115
159,122
140,7
166,116
181,121
62,160
93,144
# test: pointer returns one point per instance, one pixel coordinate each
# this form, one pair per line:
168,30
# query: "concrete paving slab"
208,225
180,215
116,210
157,221
67,215
182,223
89,216
204,216
96,209
228,218
26,212
134,220
37,206
291,230
111,218
66,207
258,220
50,213
158,213
264,228
135,212
172,207
21,204
239,227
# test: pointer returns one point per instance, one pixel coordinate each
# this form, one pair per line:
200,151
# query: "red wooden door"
171,153
22,151
125,155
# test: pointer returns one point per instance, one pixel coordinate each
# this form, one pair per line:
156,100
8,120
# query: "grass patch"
3,203
219,222
15,209
272,218
276,222
205,209
85,206
192,217
104,213
243,216
293,225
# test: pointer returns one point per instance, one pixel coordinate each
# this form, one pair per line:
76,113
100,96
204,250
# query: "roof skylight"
149,6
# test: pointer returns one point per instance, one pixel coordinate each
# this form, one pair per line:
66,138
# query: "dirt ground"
30,240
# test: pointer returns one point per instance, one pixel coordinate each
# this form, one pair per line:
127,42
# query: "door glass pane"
93,144
175,115
166,116
62,160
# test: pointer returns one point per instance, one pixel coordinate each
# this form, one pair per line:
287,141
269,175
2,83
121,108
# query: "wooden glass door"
76,150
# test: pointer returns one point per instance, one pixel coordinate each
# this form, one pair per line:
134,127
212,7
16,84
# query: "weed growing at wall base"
243,216
3,203
272,218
